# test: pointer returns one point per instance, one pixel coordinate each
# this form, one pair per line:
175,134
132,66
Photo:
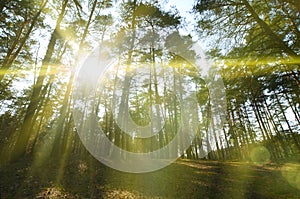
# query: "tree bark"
15,51
22,140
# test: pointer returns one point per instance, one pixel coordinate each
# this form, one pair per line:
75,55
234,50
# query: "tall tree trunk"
259,120
287,122
126,85
22,140
66,101
282,144
248,124
292,105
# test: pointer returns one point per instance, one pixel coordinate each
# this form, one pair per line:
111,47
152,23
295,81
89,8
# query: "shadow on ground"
87,178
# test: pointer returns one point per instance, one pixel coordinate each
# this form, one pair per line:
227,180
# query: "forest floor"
77,178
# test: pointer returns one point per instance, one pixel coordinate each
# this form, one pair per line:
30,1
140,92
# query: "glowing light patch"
260,155
291,173
104,77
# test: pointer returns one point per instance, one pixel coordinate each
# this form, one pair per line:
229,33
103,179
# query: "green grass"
182,179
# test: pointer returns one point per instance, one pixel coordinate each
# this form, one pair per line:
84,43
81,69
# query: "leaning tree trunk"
25,131
266,28
20,42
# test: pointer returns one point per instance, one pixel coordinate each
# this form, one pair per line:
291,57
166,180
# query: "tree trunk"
273,36
126,85
286,121
22,140
66,101
14,51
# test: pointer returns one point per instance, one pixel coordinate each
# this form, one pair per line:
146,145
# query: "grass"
87,178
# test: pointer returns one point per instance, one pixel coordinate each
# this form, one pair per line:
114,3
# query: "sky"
184,7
